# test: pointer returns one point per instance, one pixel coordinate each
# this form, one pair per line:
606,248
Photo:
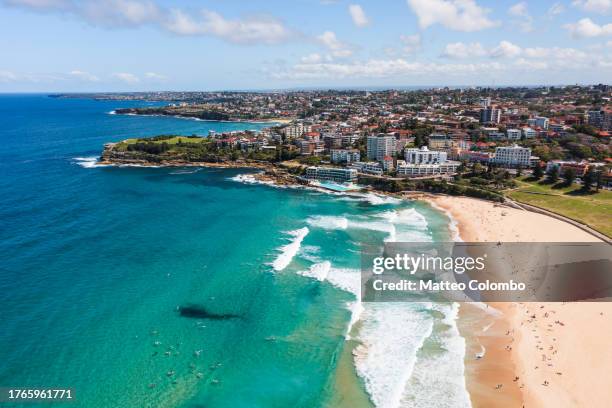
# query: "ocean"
97,261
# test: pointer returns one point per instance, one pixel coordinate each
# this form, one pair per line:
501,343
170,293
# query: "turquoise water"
96,261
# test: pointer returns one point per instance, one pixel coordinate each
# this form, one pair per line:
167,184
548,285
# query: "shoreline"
501,344
256,121
538,361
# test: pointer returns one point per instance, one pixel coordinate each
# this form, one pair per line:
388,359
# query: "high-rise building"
424,156
601,119
381,146
490,115
512,156
344,155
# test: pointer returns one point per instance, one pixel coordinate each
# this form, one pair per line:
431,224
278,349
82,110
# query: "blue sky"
133,45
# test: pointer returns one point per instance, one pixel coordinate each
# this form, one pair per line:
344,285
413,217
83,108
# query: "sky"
150,45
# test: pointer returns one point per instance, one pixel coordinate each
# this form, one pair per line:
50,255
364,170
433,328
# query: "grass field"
122,146
594,209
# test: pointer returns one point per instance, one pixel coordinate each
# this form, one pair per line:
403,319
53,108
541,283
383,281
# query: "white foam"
186,171
88,162
453,226
113,112
287,252
249,179
377,199
356,309
404,225
318,271
328,222
310,253
427,387
391,335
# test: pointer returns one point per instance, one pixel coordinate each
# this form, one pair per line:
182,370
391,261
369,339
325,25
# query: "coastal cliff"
193,151
187,112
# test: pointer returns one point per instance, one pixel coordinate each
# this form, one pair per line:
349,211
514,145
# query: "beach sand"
536,354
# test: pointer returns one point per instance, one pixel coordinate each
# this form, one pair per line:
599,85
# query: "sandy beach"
531,354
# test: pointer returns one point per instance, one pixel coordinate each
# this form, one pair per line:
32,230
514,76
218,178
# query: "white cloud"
594,6
260,29
556,9
360,19
124,13
587,28
523,19
126,77
556,61
154,76
388,68
41,5
412,43
519,10
337,48
555,52
7,76
505,49
84,76
256,29
460,50
459,15
311,58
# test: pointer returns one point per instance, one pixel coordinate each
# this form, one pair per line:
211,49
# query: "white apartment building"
513,134
348,140
424,156
296,130
542,122
381,146
368,168
529,133
345,155
417,170
334,174
512,156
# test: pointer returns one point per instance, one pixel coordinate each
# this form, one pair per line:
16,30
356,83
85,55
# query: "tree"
538,172
553,174
588,179
519,171
569,175
598,180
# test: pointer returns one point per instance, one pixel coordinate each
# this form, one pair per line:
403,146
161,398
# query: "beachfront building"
421,170
512,156
424,156
333,174
424,162
368,168
380,146
345,155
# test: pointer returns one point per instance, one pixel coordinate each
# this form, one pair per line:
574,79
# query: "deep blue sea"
96,260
